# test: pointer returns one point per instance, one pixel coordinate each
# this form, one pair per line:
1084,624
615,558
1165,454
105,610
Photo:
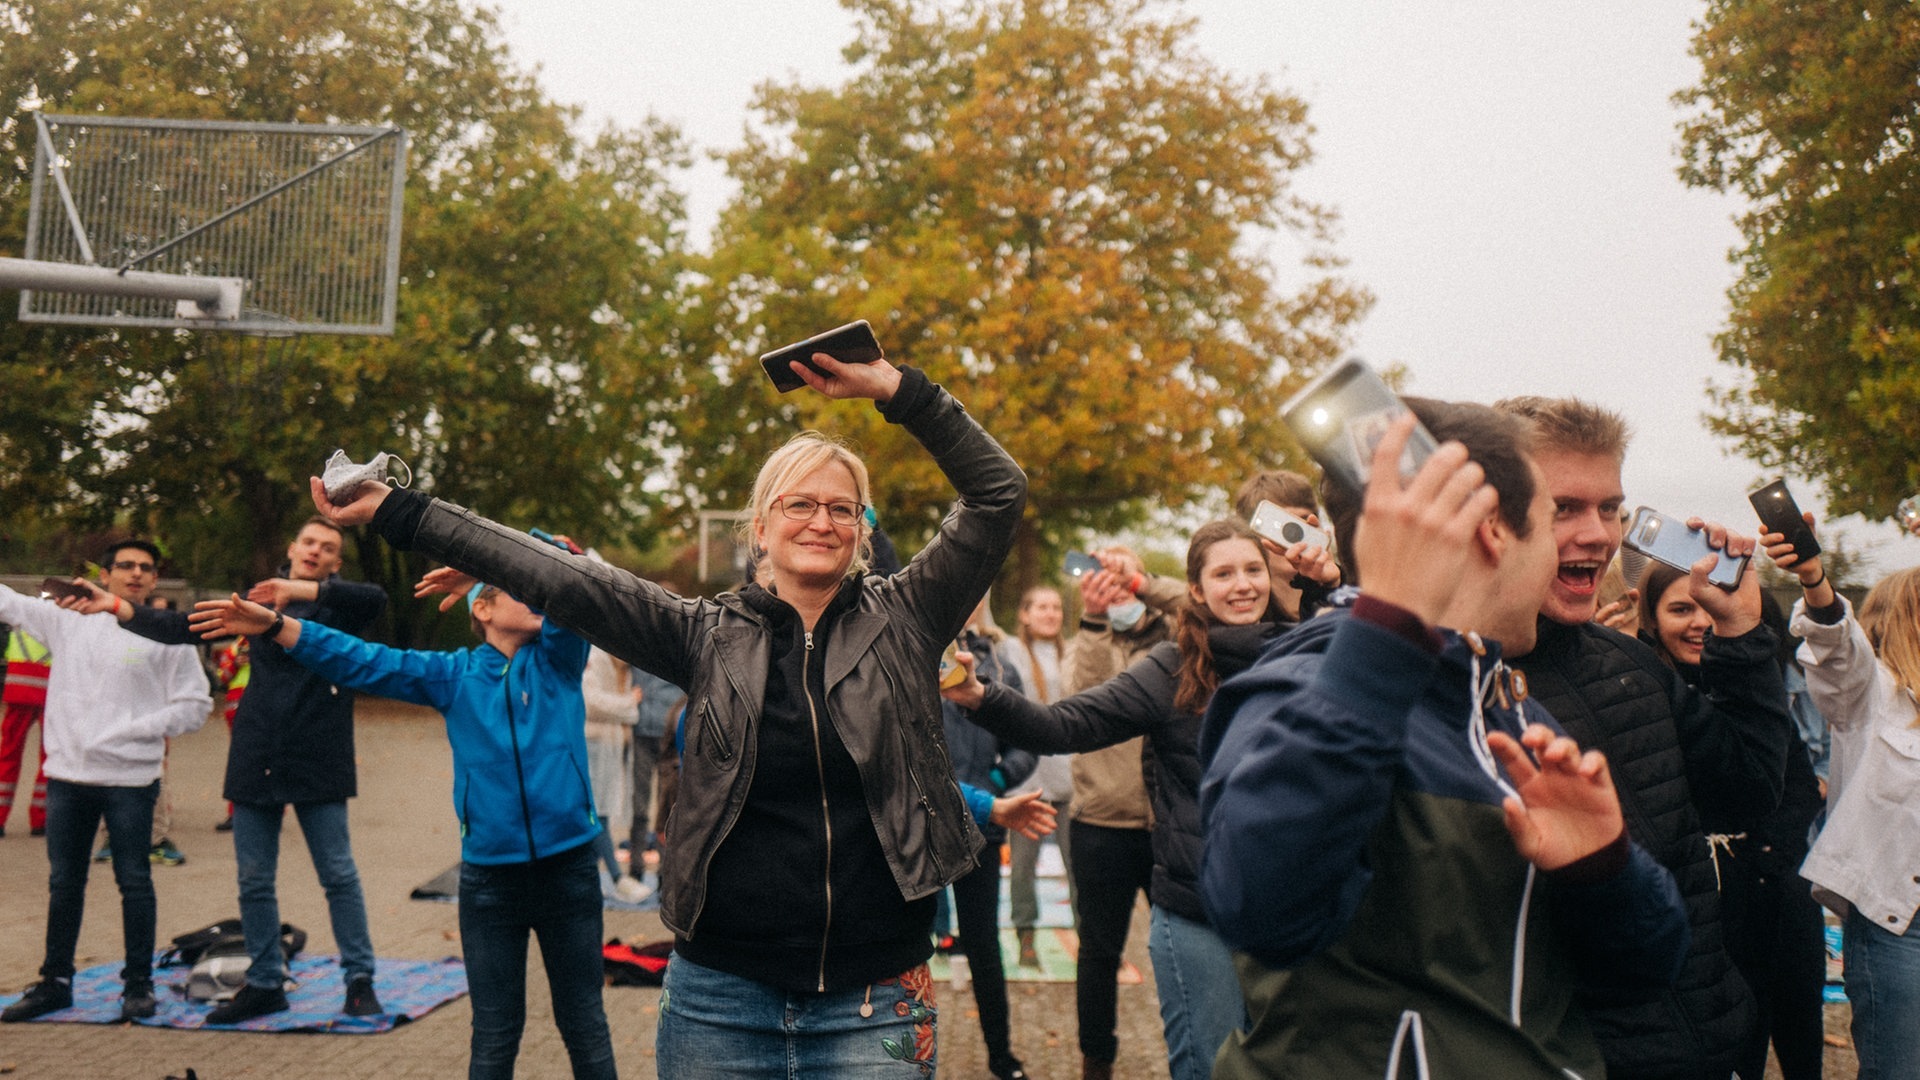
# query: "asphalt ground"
404,833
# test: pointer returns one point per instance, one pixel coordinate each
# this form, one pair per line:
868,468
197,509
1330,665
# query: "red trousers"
13,748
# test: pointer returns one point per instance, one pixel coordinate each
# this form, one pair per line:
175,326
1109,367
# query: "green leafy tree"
1063,213
539,273
1808,111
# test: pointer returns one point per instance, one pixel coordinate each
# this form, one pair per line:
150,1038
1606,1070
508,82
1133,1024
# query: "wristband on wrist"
116,607
279,620
1818,582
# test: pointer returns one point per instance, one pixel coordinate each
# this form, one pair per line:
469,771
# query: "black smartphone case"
853,343
1782,515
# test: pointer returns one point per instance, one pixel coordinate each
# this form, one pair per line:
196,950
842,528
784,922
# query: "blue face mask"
1124,617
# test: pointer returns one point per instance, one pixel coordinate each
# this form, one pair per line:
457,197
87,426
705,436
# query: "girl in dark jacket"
1775,932
1162,696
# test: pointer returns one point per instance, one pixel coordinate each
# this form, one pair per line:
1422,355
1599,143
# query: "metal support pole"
199,297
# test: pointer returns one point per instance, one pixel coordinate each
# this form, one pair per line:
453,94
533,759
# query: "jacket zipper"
716,738
933,846
726,827
826,818
519,771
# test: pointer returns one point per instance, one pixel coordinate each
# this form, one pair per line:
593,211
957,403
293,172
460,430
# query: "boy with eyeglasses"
113,700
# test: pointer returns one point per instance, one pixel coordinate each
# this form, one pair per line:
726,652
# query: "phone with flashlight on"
1341,417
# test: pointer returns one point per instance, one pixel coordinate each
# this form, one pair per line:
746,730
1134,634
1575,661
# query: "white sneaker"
632,889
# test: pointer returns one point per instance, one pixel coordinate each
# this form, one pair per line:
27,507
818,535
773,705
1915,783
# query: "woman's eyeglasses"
845,514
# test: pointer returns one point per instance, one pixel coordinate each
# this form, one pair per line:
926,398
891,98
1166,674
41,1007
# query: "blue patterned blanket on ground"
408,989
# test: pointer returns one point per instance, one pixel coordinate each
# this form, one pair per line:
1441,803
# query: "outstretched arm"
1028,814
218,618
154,624
420,677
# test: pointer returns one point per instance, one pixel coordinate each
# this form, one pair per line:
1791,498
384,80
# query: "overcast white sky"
1504,171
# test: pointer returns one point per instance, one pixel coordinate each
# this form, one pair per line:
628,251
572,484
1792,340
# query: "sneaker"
226,824
250,1002
105,854
165,854
43,997
137,1003
632,889
361,1000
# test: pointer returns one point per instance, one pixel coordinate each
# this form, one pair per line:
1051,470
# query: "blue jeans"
74,813
1200,1002
558,900
256,851
1883,984
715,1026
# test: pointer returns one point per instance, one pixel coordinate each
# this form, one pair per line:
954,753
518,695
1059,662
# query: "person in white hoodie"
113,700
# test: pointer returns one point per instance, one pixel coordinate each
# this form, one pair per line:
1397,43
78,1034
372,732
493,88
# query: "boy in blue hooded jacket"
517,722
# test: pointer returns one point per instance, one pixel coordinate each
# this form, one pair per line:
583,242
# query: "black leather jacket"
881,662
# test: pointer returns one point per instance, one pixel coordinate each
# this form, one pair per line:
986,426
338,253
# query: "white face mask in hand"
1124,617
342,478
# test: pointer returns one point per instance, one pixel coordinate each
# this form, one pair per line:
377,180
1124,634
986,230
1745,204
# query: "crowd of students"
1421,810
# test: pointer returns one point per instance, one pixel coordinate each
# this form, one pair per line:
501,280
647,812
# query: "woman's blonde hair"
802,456
1891,617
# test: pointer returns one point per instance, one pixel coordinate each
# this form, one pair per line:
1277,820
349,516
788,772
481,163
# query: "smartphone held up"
853,343
1780,514
1285,528
1341,417
1079,564
1668,540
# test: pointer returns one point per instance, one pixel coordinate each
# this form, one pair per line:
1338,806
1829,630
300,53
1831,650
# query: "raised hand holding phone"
1785,551
837,363
1414,537
1736,609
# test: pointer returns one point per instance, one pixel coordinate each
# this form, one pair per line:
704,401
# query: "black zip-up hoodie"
799,895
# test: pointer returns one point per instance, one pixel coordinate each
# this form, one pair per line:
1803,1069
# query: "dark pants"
1109,867
976,904
667,789
74,812
557,899
1777,937
646,763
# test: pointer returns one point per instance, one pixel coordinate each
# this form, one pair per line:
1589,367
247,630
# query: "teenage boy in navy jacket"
1412,861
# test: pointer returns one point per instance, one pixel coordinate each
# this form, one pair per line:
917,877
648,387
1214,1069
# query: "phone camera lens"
1292,532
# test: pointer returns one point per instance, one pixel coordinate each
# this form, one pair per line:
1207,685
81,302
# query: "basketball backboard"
199,224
